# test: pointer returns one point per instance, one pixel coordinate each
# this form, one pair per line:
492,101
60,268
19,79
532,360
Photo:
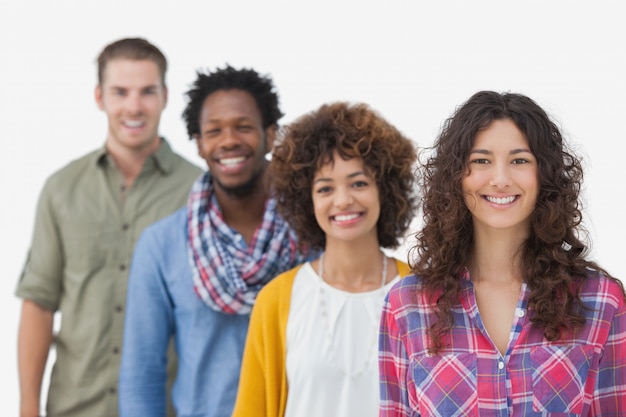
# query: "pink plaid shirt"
583,375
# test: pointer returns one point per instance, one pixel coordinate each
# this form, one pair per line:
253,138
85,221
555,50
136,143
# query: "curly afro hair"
228,78
353,131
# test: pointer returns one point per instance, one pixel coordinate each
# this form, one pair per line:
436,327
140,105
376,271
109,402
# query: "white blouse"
332,349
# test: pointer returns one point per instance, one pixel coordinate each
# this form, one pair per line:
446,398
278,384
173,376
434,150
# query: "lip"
231,164
134,124
501,200
347,218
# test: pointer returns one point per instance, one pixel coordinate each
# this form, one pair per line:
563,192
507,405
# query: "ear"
165,91
270,137
98,97
196,137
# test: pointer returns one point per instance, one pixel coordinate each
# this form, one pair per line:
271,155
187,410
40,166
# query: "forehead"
224,105
500,134
340,167
131,73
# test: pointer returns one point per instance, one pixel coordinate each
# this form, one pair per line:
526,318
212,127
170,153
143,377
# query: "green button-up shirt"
85,230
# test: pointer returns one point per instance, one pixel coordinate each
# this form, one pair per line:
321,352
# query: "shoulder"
273,302
168,230
279,287
406,293
600,290
403,268
182,164
75,169
179,163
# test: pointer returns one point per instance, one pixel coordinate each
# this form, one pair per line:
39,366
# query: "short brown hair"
131,48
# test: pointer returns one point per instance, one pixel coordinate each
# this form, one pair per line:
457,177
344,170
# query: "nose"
133,103
343,198
501,177
229,138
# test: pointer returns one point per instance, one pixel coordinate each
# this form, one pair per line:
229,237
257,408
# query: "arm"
393,365
609,396
147,329
251,394
261,392
34,340
40,287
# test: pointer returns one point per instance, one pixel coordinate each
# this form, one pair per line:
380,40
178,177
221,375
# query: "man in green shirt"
89,216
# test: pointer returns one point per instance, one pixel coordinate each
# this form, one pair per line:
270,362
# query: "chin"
241,190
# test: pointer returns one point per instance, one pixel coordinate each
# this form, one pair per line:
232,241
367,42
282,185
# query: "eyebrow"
354,174
125,87
237,120
512,152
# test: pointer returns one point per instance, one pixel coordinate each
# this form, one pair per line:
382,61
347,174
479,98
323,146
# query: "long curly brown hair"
353,130
553,256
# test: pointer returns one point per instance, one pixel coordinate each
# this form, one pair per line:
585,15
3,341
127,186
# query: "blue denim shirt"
161,303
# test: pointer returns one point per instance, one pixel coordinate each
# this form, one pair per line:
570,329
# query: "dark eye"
519,161
245,128
360,183
322,190
479,161
212,132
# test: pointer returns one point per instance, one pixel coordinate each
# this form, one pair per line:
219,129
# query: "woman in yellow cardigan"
344,181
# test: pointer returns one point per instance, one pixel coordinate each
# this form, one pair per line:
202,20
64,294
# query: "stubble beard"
246,189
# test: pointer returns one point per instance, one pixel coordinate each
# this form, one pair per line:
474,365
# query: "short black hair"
261,87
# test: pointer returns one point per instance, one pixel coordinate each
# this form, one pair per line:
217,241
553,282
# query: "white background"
413,61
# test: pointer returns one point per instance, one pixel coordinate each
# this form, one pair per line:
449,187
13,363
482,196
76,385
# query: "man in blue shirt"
195,274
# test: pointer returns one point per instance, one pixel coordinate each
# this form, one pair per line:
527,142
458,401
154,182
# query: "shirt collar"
163,159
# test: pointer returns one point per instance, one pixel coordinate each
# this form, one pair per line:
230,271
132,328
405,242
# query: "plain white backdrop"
413,61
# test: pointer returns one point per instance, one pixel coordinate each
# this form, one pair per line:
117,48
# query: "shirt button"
116,350
122,267
520,312
238,238
125,226
118,309
112,390
500,365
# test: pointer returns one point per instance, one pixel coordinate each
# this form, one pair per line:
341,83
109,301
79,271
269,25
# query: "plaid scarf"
228,274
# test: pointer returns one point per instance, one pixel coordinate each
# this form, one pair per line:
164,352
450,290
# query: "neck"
355,266
129,160
496,257
244,213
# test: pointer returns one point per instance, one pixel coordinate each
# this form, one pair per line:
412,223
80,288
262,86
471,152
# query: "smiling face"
233,142
345,200
133,97
502,186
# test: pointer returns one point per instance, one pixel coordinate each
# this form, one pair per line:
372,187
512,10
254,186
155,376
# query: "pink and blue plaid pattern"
228,273
583,375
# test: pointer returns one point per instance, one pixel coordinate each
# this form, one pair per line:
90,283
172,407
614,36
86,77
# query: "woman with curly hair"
344,180
503,314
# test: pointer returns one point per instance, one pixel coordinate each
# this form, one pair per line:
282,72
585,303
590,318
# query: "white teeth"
345,217
500,200
133,123
229,162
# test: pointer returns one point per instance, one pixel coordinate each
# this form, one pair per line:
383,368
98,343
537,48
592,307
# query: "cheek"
470,201
321,220
467,187
375,203
203,149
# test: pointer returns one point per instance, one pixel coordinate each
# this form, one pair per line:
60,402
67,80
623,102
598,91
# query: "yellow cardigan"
262,388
